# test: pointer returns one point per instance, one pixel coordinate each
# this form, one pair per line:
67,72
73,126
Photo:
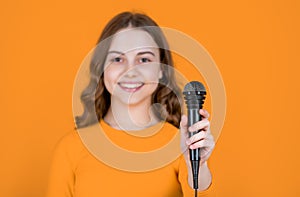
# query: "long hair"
95,97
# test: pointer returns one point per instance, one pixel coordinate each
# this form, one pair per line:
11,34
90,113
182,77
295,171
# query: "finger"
203,124
199,144
197,137
204,113
206,143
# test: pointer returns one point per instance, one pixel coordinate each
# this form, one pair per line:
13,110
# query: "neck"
130,117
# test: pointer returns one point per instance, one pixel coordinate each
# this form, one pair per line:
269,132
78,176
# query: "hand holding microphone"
196,135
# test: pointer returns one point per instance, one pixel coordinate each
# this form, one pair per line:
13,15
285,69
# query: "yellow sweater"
75,172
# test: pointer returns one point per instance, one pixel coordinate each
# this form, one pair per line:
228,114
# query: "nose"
131,71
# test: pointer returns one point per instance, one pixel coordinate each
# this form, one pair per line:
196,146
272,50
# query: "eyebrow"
140,53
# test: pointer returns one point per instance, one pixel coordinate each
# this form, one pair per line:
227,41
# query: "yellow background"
254,43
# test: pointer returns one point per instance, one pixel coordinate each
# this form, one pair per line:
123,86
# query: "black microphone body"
194,95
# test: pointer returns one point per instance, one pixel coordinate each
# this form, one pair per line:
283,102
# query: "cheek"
110,78
153,74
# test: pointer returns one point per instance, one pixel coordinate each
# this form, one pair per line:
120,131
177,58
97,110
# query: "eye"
117,59
145,60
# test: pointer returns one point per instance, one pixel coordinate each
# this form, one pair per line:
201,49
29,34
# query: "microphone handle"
193,117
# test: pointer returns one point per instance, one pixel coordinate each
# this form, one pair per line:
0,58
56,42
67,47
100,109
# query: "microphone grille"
194,86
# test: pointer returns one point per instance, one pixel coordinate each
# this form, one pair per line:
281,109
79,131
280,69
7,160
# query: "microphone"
194,95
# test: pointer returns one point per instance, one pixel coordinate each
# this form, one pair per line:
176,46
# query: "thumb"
183,132
183,124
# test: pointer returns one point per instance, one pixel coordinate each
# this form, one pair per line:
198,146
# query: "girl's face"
132,67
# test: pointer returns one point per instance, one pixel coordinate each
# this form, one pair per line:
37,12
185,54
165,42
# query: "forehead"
131,39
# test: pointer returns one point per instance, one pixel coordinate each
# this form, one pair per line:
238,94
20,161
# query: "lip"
131,86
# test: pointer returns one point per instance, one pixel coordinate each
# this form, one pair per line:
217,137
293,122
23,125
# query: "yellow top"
78,173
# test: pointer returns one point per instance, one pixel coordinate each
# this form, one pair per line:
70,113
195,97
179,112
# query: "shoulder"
70,147
70,139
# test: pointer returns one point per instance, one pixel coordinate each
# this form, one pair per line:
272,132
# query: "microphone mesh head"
194,86
194,95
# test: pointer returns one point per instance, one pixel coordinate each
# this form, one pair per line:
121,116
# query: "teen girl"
127,77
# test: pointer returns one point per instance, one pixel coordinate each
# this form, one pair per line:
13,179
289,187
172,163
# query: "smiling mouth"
131,86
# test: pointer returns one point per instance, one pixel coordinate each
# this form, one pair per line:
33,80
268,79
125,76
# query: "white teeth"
131,85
